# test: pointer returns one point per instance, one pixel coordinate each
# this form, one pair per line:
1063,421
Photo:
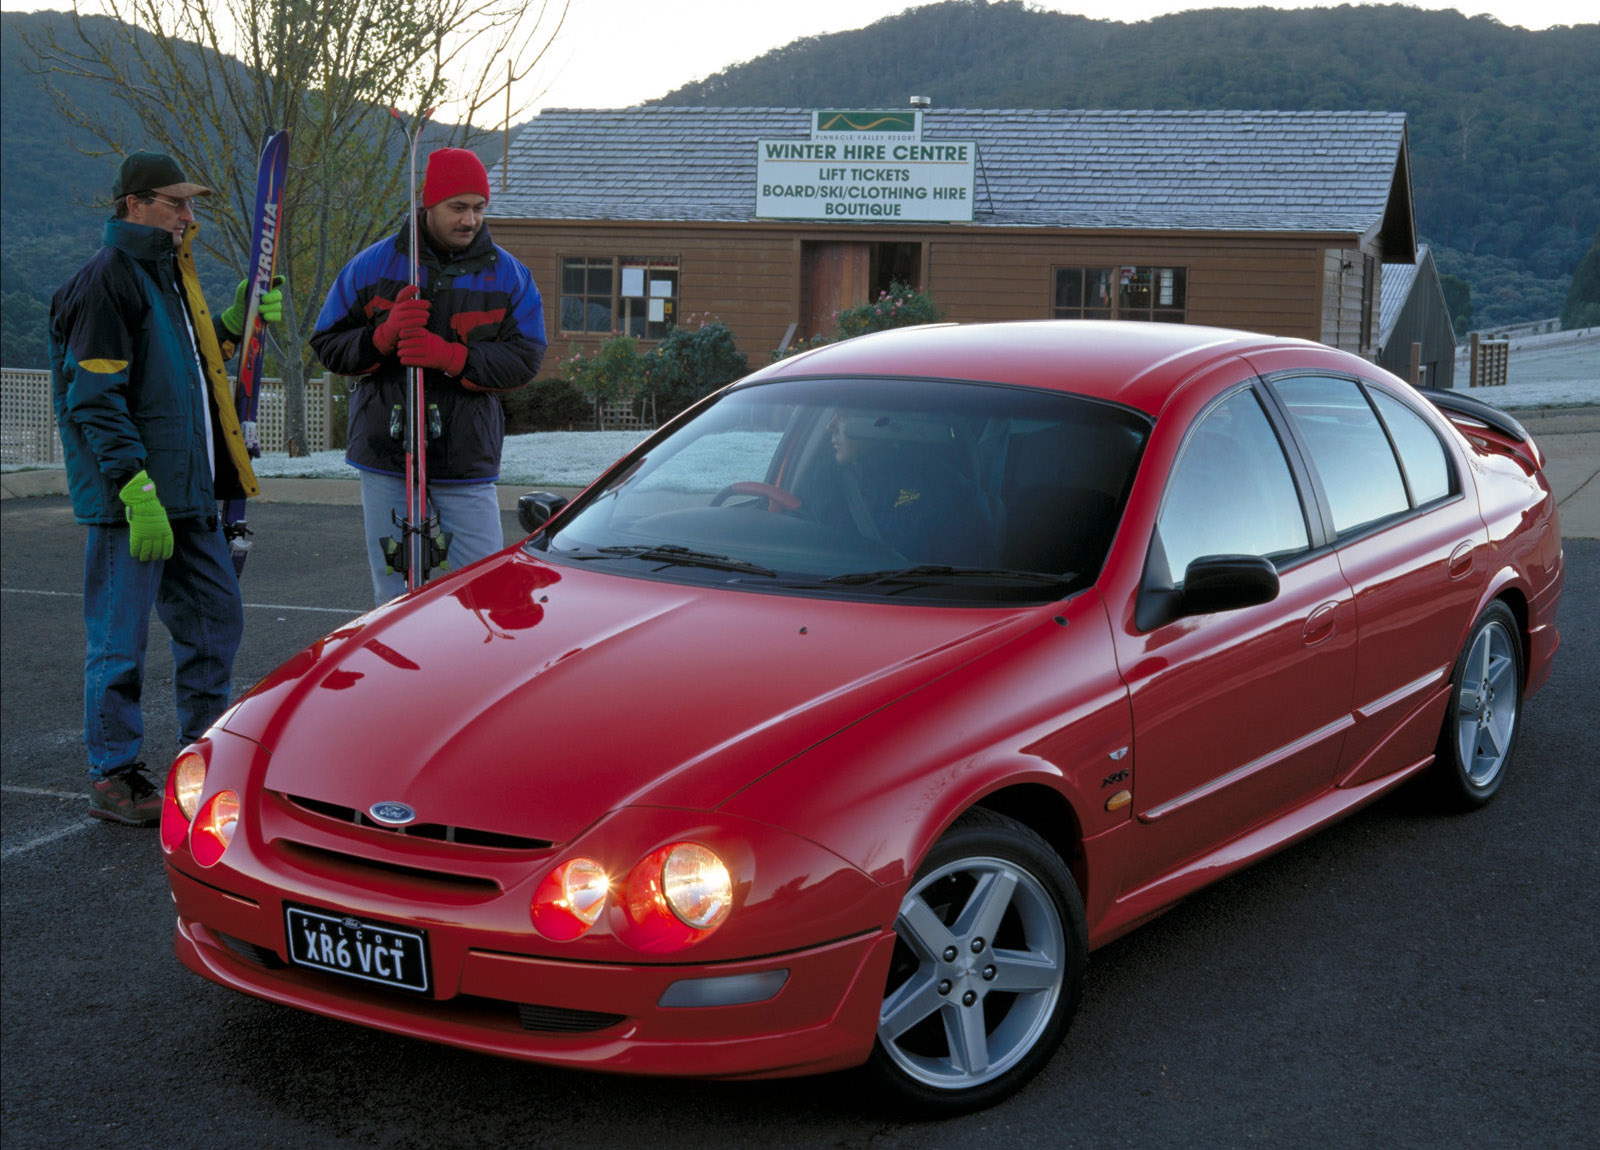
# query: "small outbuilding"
773,219
1415,337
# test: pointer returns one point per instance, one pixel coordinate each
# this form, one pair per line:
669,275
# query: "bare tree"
208,80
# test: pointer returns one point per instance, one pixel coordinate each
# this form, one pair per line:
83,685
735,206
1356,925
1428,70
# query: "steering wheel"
778,500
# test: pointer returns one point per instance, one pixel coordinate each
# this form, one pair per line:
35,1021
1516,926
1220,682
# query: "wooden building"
772,219
1415,338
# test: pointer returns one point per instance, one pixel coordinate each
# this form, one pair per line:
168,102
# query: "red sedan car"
837,723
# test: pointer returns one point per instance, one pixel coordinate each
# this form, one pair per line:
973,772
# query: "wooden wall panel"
750,276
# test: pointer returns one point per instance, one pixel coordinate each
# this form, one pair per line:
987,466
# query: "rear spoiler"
1485,425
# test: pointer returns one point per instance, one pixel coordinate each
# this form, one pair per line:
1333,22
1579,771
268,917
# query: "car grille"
565,1021
466,836
252,952
421,880
545,1019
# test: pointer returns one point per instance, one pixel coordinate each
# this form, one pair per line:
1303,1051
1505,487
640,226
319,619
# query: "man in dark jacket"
474,324
152,442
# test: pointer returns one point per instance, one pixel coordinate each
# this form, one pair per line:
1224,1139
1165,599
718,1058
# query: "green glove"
270,309
149,533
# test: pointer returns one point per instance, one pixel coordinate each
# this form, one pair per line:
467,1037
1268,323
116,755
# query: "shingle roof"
1208,170
1395,291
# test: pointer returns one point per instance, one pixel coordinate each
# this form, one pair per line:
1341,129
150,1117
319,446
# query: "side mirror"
536,508
1215,583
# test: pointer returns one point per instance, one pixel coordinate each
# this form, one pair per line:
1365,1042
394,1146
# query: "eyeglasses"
190,205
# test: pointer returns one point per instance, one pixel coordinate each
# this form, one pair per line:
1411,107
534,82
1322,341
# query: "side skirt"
1145,902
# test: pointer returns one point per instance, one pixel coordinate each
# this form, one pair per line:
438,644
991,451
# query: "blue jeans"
196,595
469,512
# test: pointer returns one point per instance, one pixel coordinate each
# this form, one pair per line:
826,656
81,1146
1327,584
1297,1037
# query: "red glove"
419,347
407,313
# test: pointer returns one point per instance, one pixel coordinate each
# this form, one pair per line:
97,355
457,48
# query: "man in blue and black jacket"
476,328
152,442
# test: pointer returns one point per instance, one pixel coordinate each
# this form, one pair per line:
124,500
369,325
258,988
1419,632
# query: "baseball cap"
153,172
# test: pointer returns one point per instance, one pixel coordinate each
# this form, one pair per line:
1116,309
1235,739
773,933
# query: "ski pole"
413,532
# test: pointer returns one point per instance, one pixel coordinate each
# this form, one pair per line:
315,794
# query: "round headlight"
188,780
213,829
224,817
696,885
585,884
570,899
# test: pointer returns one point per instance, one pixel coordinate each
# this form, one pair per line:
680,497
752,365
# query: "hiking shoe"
127,796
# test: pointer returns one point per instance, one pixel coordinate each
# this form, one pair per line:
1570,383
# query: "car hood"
531,699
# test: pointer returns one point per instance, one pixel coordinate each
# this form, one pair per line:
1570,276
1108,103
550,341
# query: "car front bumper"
822,1015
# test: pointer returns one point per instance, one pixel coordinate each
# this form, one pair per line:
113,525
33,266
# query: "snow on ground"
1560,369
553,458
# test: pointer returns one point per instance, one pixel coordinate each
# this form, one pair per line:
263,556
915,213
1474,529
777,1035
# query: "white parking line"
348,612
42,792
44,839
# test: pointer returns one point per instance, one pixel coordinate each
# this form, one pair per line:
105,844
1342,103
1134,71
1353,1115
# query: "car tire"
987,972
1485,712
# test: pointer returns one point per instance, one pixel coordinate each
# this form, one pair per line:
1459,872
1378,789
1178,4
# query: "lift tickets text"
865,181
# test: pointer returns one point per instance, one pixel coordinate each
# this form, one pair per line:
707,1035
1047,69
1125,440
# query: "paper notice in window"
633,282
660,287
658,310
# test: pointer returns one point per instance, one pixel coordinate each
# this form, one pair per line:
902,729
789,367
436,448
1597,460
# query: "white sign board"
854,173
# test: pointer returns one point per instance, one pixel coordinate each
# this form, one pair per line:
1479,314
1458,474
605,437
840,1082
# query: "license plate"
374,952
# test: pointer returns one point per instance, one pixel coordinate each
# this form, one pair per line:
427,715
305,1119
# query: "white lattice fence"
28,423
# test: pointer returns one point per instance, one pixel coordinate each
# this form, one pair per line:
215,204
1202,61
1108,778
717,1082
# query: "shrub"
899,306
613,371
547,404
689,364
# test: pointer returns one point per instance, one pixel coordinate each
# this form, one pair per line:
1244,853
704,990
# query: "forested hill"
54,198
1504,123
1504,145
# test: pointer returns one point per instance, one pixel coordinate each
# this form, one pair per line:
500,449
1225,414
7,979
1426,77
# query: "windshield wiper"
672,554
935,573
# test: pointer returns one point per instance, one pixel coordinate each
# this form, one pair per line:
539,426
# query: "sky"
614,53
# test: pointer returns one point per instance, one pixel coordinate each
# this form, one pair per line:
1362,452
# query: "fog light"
727,990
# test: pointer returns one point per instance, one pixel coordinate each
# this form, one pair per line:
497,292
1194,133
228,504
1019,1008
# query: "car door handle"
1320,624
1461,560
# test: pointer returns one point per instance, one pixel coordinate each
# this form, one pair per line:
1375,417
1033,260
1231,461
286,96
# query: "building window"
1084,293
629,295
1149,293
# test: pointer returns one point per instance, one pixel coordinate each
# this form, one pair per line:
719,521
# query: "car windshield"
910,490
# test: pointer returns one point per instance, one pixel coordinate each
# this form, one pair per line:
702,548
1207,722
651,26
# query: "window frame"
622,305
1118,277
1315,535
1322,507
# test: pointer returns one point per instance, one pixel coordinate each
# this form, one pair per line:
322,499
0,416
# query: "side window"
1349,449
1421,454
1231,492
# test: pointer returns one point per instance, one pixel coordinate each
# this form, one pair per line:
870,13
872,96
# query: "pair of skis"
270,176
421,545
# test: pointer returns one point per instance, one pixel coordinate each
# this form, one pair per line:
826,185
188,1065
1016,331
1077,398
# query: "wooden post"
1473,365
327,410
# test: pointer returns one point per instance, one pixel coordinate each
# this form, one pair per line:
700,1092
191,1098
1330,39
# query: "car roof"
1137,364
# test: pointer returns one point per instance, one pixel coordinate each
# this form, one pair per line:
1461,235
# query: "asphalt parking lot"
1400,979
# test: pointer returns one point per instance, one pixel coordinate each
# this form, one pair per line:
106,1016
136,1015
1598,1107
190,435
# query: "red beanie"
453,172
